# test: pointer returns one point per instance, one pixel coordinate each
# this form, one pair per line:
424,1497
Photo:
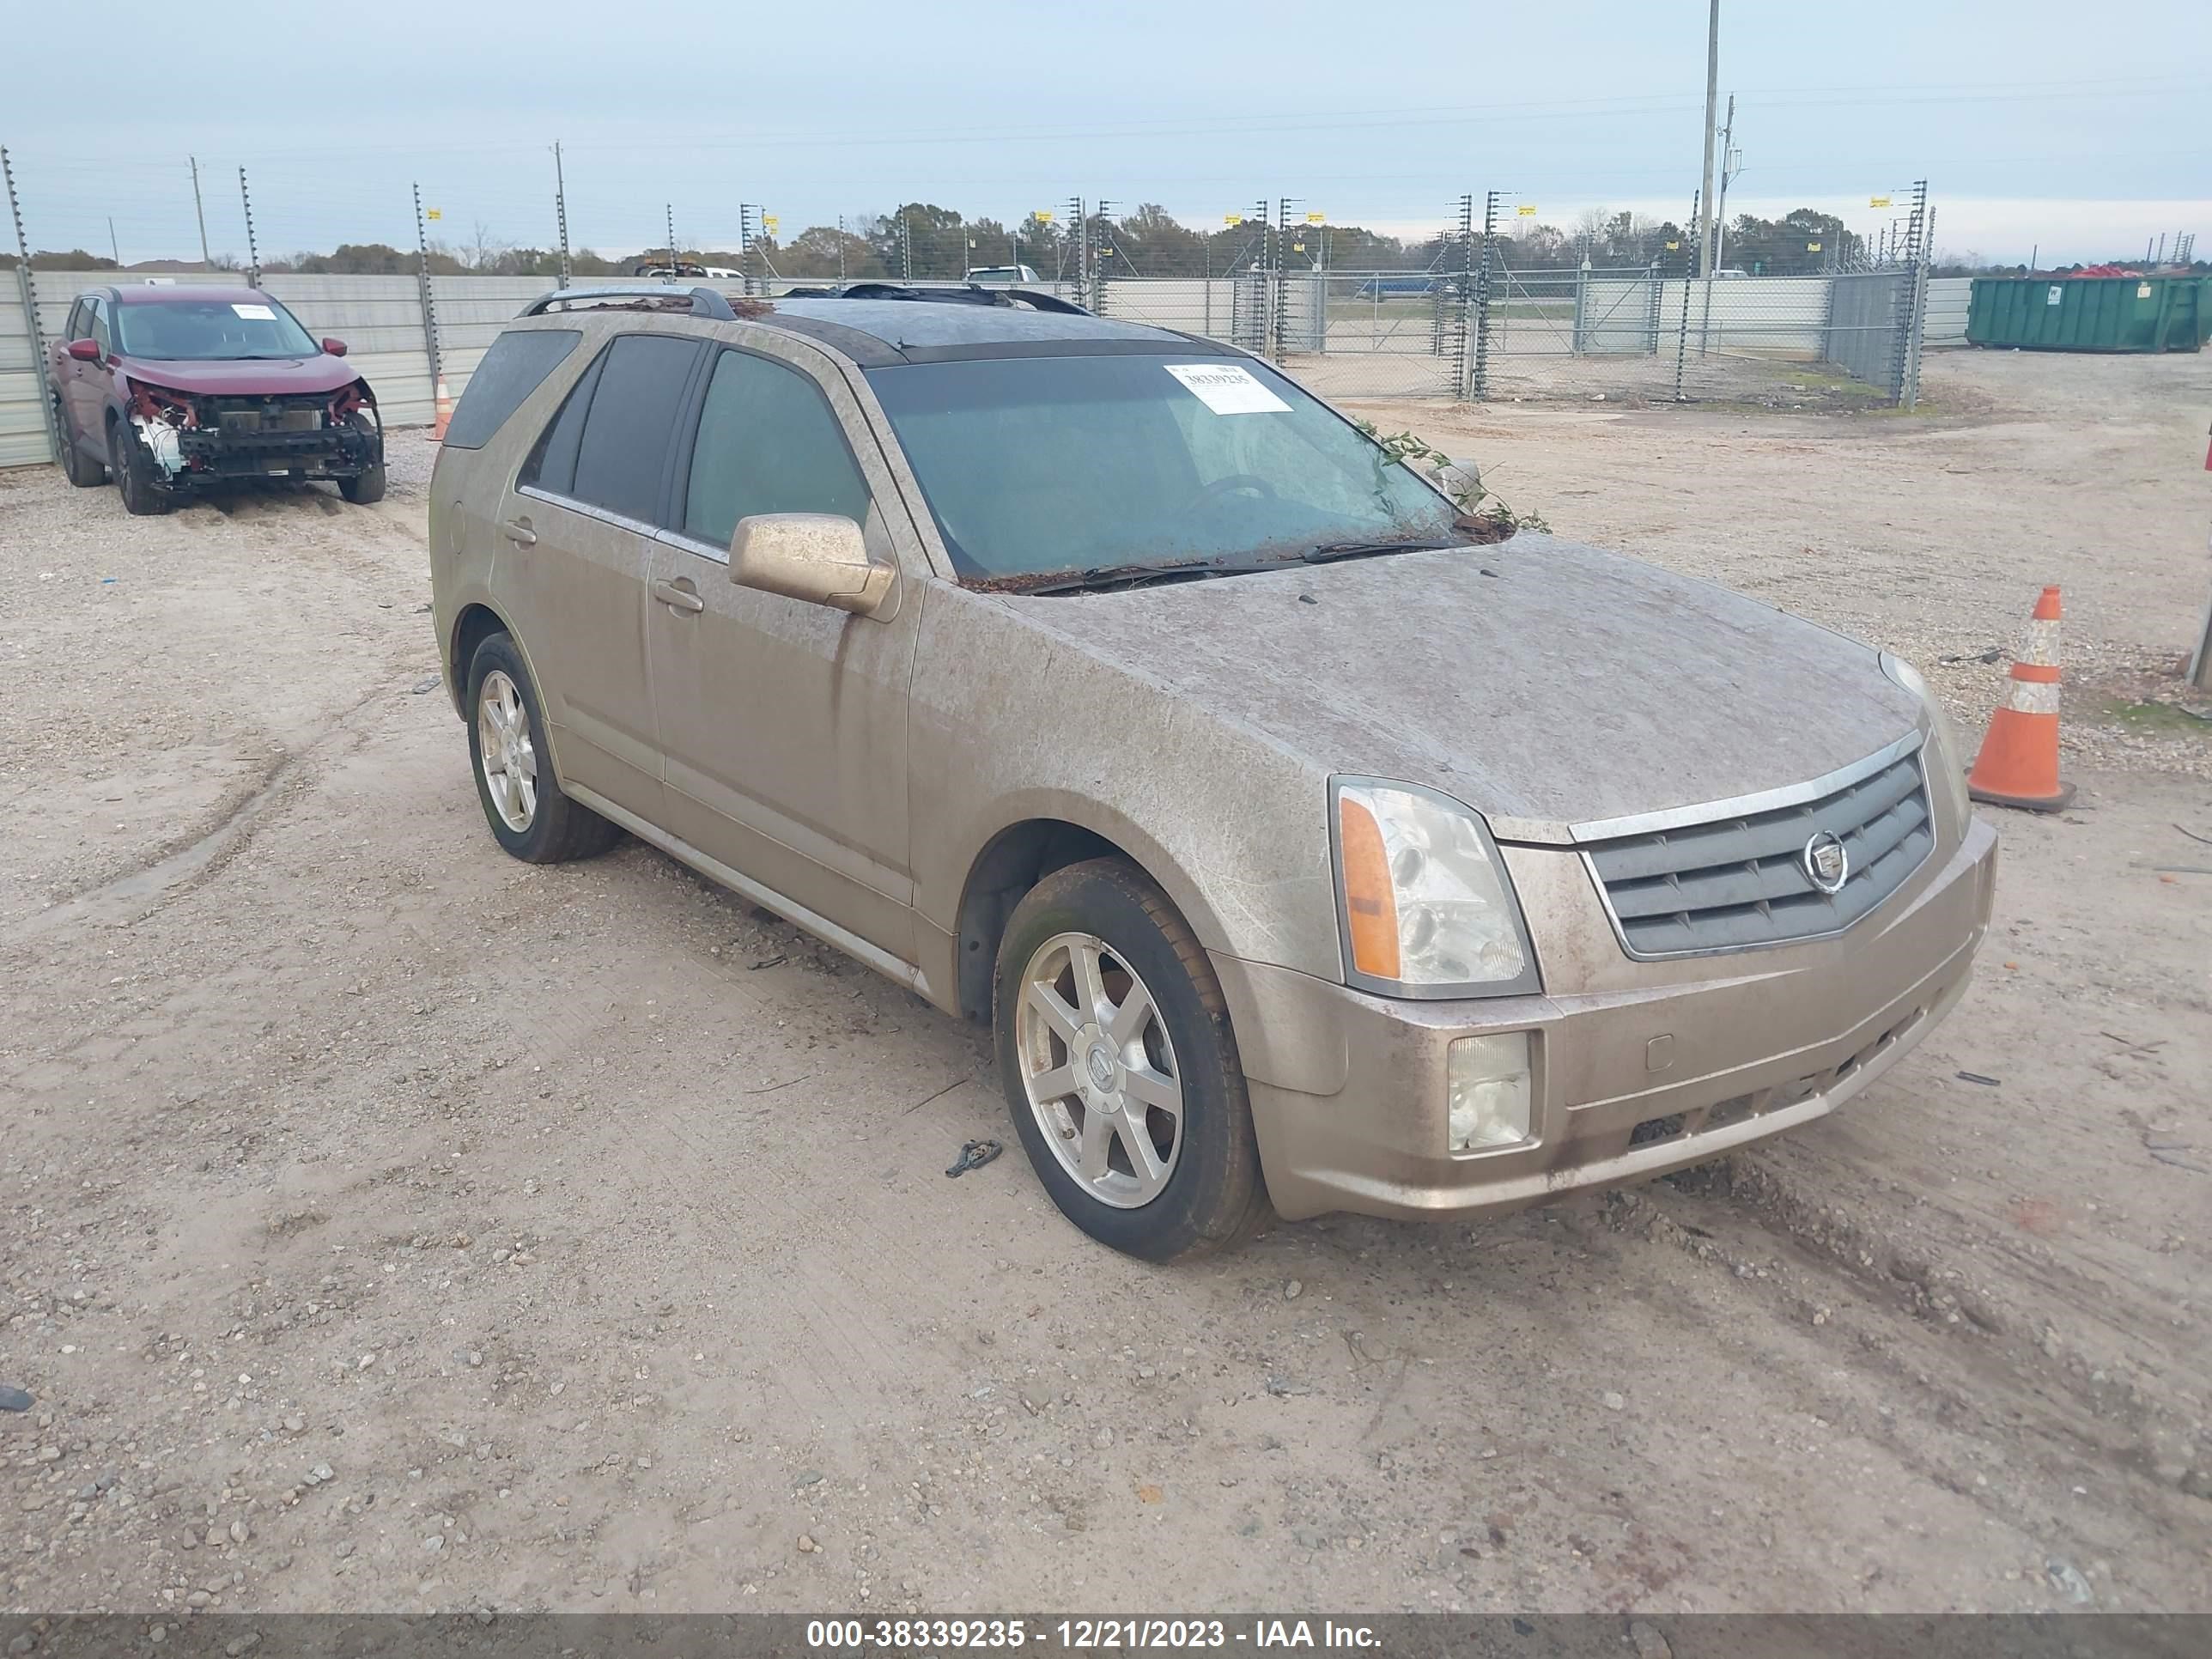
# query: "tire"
1201,1190
364,487
142,497
538,824
77,467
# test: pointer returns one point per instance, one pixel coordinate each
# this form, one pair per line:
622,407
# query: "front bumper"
338,451
1647,1068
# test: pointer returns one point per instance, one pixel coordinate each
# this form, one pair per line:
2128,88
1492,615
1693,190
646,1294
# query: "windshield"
1047,465
210,331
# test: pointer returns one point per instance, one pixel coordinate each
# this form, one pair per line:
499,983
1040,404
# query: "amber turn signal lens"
1370,904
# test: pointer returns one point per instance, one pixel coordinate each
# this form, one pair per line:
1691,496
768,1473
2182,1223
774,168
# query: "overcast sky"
2053,124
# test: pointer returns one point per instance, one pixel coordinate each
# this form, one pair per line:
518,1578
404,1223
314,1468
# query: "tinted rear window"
552,463
516,366
624,453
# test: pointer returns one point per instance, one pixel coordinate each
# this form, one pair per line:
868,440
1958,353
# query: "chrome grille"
1736,882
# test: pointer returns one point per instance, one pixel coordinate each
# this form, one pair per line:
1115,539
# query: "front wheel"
1120,1067
133,466
364,487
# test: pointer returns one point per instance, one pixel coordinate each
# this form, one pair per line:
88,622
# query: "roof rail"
704,301
956,294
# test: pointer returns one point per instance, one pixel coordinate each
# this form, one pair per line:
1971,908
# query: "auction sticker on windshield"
255,314
1228,390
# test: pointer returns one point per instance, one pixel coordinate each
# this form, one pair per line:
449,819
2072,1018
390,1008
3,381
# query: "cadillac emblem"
1827,866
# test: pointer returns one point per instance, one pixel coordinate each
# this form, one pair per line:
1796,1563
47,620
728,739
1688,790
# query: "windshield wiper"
1330,552
1139,576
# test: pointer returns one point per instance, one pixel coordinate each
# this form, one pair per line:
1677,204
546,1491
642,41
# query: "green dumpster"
2090,314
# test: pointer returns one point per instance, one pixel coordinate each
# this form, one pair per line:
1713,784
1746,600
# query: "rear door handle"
678,595
518,532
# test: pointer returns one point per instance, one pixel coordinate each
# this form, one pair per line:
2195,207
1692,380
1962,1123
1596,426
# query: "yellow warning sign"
1316,218
1043,216
1812,247
1877,201
769,222
434,213
1526,210
1232,218
1298,247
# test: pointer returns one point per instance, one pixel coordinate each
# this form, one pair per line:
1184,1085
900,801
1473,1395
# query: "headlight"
1426,908
1945,760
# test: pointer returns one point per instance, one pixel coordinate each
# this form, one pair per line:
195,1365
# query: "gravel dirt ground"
392,1225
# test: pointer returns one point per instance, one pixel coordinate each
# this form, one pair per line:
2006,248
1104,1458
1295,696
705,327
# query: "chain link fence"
1472,321
1470,326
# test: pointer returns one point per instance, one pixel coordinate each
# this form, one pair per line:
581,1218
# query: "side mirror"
335,347
815,556
85,351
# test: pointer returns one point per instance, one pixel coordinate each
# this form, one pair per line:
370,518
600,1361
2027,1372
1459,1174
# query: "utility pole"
1718,226
252,248
841,247
1712,109
1731,164
201,211
669,208
561,210
113,251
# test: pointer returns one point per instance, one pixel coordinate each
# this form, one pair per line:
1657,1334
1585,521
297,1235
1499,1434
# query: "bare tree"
483,252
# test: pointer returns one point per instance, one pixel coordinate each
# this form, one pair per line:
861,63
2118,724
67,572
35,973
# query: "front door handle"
518,532
678,595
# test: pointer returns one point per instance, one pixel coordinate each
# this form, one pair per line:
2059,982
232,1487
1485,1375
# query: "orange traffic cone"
2018,762
444,411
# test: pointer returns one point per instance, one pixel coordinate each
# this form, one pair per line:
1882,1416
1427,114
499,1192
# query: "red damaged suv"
174,389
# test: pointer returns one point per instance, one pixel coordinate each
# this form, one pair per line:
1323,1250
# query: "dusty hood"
1571,685
279,377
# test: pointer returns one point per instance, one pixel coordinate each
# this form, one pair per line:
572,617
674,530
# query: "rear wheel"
79,468
1120,1069
528,813
134,468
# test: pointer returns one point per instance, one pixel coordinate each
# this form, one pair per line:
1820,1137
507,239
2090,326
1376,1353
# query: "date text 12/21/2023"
902,1636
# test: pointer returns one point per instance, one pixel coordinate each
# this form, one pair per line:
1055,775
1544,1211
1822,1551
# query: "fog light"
1486,1089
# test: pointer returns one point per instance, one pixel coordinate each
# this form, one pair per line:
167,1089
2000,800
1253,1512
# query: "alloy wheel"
1099,1070
506,753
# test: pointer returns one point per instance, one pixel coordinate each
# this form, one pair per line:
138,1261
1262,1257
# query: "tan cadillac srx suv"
1098,683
